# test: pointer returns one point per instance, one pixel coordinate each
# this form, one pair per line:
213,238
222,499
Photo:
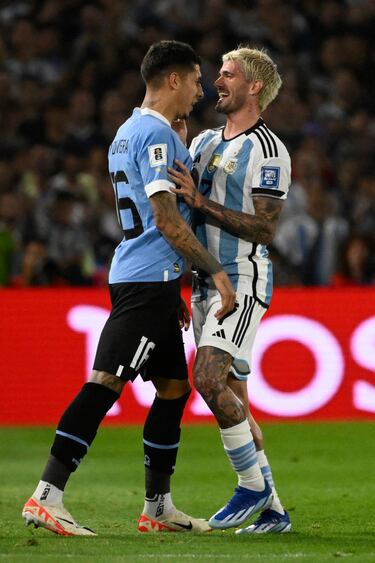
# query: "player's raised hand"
226,290
185,185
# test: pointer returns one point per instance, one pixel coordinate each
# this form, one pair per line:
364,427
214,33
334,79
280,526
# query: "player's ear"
255,87
174,80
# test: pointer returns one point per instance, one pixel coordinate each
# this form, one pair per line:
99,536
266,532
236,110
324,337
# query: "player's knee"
182,388
111,381
173,388
202,379
210,370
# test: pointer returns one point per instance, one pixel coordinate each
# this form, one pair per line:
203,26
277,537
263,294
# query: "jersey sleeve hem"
276,194
158,186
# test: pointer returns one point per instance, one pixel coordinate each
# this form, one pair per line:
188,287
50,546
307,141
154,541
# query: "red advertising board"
314,356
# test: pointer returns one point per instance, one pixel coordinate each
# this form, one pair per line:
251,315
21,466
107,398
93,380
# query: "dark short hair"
167,55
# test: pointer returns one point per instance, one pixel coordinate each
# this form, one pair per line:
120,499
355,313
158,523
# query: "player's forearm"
178,233
259,227
251,228
182,238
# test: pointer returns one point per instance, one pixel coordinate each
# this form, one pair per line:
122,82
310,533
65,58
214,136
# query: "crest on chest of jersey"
230,166
214,162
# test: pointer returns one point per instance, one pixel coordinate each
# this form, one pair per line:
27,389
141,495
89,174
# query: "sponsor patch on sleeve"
157,155
269,177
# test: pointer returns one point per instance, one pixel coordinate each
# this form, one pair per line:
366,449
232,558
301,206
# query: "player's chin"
220,107
189,110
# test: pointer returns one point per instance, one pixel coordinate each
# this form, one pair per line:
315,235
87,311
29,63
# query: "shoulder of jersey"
156,123
154,129
268,143
207,132
213,130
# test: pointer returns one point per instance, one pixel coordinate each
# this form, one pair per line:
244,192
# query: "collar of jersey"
246,132
148,111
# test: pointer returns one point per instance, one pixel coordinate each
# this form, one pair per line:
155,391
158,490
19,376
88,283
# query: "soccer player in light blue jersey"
143,333
243,174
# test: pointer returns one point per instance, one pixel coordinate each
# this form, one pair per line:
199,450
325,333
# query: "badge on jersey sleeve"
157,155
269,177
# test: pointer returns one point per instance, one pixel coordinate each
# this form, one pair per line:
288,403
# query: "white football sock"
48,494
159,506
240,449
267,474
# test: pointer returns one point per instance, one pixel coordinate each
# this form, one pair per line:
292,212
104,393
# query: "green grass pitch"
325,475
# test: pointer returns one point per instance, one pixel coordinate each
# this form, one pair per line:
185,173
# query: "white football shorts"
235,333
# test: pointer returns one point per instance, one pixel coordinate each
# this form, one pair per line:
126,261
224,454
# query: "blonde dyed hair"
257,65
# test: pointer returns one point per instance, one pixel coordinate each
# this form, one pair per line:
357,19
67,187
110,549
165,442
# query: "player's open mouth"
222,95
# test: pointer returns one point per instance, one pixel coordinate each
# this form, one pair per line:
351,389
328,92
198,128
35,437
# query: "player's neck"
240,121
159,104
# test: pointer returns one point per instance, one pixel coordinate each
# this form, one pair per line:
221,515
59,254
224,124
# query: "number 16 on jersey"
127,212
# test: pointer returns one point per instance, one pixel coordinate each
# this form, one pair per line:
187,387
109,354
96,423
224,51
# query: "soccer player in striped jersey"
242,171
142,334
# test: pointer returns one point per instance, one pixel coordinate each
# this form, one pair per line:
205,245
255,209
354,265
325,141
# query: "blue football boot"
242,505
269,522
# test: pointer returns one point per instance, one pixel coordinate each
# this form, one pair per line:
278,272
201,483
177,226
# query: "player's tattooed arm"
178,233
259,228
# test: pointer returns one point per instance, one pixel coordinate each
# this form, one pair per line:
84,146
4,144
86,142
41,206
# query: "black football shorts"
142,334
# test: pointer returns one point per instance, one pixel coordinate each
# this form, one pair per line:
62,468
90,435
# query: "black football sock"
156,482
161,436
55,473
76,431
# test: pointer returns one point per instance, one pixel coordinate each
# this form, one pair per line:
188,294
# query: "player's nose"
218,81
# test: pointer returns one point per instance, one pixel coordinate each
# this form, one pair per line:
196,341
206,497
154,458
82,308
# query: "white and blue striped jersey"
231,172
144,146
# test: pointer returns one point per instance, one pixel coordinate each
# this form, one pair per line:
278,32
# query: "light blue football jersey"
231,172
144,146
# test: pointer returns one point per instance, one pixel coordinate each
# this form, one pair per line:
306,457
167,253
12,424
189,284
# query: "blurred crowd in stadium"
69,76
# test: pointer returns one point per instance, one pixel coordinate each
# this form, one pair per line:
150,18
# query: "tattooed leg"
239,388
210,379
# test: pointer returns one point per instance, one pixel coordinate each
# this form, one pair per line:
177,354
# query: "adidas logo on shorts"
220,333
